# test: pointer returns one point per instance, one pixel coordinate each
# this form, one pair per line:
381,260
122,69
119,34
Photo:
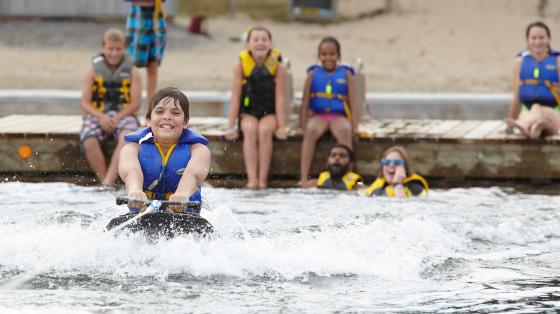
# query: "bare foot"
252,185
514,124
262,185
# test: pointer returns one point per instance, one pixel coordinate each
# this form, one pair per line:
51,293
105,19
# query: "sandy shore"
420,46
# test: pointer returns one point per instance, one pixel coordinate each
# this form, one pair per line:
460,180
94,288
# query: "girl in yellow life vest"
257,100
396,178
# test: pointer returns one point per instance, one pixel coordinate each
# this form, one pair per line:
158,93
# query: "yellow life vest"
380,187
348,181
111,90
258,85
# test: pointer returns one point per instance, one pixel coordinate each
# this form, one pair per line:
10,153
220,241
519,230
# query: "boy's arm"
130,170
195,173
135,95
85,103
304,109
354,119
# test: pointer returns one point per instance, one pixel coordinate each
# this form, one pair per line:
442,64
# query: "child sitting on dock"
535,107
166,160
329,93
257,100
111,92
339,173
395,177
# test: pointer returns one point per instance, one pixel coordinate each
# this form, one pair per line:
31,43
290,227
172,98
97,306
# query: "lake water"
302,251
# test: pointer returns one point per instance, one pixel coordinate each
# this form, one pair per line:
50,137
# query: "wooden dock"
455,149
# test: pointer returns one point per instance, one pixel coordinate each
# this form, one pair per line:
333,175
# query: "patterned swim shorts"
145,44
92,128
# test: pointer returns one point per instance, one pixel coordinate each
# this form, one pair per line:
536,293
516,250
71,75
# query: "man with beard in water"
338,174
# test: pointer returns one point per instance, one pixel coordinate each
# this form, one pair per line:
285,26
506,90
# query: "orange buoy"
24,151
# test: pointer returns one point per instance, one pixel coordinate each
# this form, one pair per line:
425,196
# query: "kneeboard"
164,224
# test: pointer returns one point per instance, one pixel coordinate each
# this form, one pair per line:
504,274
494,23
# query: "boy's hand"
177,197
139,195
107,124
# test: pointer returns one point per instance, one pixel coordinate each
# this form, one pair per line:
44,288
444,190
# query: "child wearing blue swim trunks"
329,94
146,37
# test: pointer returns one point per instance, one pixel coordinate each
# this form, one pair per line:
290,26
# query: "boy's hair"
330,39
178,98
112,34
258,28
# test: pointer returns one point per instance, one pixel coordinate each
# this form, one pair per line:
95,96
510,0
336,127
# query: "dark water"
460,250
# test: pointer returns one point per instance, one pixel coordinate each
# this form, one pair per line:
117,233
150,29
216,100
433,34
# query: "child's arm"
354,119
280,107
515,105
131,172
304,109
135,96
193,176
85,103
232,132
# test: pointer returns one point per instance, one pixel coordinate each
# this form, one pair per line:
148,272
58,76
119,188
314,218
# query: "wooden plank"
485,128
24,123
442,128
461,129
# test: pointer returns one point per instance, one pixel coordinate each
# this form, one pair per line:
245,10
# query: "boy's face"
167,121
113,50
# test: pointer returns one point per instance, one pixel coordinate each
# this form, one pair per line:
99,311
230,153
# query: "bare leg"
152,77
547,121
113,169
342,130
314,129
249,127
95,157
267,126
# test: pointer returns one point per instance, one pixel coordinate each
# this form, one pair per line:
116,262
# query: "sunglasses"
393,162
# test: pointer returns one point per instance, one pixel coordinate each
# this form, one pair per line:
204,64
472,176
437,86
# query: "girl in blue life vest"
166,160
257,100
395,177
329,94
534,109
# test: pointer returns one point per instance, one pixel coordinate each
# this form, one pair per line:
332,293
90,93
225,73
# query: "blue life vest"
162,172
329,91
539,80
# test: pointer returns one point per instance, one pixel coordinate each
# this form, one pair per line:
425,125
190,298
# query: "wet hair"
258,28
404,154
173,93
329,39
540,25
347,149
114,35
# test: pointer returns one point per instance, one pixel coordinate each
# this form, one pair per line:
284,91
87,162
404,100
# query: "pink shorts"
327,116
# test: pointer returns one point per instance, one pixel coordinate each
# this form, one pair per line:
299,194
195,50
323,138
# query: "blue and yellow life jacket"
163,171
539,80
329,91
111,90
414,185
258,87
347,183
